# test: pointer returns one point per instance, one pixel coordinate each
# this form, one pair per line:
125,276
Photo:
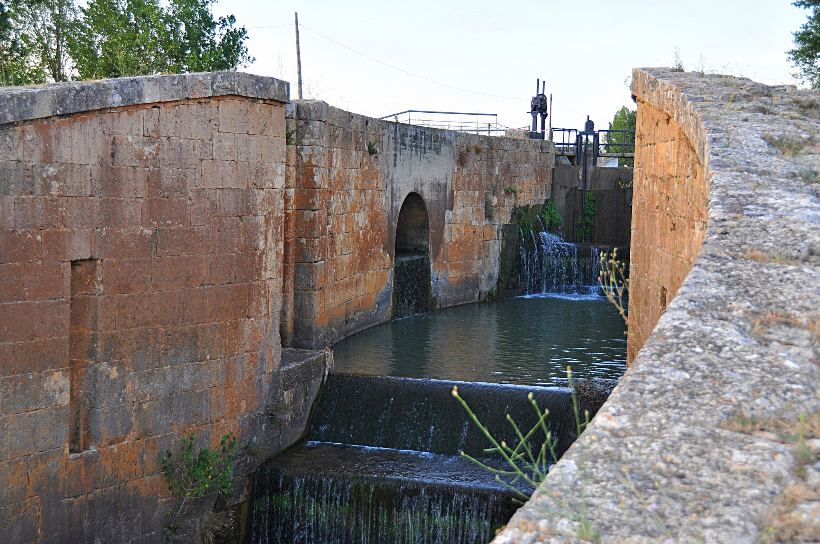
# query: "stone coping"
19,104
700,441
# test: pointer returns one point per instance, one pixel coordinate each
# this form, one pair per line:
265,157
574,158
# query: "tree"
201,44
33,36
16,54
619,142
806,55
54,40
116,38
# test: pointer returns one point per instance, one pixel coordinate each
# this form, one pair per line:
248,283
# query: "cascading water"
381,463
551,265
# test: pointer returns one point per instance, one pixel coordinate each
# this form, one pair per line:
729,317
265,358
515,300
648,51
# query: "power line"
402,70
271,26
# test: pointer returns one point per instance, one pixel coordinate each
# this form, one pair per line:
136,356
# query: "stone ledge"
667,459
19,104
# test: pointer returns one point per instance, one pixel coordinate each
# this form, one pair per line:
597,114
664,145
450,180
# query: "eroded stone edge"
19,104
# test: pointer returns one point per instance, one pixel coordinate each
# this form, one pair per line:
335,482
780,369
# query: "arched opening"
412,292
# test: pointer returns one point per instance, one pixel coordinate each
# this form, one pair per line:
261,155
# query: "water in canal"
525,340
380,461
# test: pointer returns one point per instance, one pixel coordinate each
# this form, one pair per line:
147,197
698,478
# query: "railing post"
595,143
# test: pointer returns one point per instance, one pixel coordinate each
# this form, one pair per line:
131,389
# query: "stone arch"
412,288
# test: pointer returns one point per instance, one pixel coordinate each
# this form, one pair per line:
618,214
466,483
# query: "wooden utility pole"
550,115
298,56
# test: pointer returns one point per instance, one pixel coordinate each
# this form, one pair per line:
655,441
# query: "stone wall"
348,176
612,188
712,433
668,218
141,250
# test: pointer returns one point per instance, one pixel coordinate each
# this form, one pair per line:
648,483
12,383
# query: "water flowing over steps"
551,265
380,463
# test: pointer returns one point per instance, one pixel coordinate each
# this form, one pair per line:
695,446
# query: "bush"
194,475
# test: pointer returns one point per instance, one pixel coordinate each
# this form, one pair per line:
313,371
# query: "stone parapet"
18,104
711,435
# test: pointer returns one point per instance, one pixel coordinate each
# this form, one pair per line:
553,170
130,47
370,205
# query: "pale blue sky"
585,50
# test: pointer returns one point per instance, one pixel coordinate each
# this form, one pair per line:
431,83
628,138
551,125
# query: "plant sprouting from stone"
510,190
588,214
525,462
371,149
677,62
191,475
551,217
614,281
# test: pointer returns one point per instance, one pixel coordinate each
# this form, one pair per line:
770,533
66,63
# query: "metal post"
550,114
534,109
298,55
584,167
595,143
578,148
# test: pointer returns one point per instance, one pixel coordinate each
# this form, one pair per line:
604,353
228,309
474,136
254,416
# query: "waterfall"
335,506
380,463
551,265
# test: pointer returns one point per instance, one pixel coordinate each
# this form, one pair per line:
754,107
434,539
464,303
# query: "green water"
525,340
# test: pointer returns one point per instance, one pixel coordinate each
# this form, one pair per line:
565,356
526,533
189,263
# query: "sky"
378,58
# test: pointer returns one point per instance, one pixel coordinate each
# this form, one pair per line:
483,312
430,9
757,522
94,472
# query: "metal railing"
474,123
565,141
616,143
570,142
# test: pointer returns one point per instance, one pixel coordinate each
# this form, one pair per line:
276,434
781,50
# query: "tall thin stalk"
523,462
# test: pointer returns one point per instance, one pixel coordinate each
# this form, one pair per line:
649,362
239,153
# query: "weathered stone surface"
701,440
172,186
350,175
20,104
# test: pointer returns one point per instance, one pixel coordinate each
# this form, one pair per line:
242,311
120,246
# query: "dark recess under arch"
412,290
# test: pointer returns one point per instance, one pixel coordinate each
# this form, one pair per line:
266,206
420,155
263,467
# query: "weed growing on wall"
552,219
538,217
588,215
191,475
524,464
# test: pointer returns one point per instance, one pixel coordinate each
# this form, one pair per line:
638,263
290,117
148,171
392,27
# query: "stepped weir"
381,463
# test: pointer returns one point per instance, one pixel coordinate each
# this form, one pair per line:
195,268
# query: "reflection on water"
527,340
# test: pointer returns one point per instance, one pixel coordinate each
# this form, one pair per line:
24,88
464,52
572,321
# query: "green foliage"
510,190
536,218
33,37
806,54
116,38
552,219
588,216
58,40
191,475
290,137
624,119
371,149
202,44
16,51
524,463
